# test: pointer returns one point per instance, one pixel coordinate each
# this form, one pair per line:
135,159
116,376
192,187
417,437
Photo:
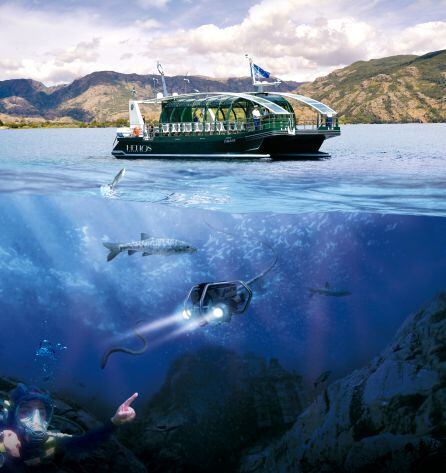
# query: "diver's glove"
9,444
125,412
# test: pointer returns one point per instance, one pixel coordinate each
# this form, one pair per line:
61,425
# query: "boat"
226,125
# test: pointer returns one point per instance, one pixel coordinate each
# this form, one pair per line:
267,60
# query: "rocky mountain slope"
213,404
393,89
387,417
100,96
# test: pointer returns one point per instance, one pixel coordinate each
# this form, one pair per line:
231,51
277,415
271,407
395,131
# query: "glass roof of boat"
224,101
319,106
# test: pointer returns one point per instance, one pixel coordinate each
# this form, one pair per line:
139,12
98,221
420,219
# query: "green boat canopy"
228,100
223,106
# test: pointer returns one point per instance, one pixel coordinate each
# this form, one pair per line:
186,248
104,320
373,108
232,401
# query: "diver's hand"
125,412
12,443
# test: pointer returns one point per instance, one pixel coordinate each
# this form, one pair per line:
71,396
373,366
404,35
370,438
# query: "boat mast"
259,84
161,71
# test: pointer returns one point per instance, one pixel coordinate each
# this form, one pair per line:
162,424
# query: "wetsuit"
36,459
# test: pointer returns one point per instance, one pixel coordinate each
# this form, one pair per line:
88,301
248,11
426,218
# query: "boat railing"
219,127
306,125
226,127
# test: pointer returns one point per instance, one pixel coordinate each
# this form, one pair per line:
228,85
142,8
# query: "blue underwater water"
369,221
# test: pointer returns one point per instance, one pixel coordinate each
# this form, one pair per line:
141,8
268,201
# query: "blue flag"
259,73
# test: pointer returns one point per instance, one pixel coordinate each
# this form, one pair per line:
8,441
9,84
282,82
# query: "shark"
149,246
326,291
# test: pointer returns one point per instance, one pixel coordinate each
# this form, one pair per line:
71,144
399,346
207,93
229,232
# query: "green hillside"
394,89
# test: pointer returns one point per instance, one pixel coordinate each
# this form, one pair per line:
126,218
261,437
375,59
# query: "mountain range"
405,88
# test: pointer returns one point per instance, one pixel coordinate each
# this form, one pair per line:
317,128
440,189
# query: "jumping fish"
326,291
149,246
108,190
116,180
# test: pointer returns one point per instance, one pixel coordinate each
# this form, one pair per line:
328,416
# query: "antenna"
161,71
187,81
247,56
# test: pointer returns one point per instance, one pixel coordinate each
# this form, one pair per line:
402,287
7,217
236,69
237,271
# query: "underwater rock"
387,417
213,404
110,457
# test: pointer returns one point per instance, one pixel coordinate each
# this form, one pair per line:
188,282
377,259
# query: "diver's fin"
131,252
146,253
145,236
114,250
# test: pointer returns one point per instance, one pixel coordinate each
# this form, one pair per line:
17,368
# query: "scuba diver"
25,438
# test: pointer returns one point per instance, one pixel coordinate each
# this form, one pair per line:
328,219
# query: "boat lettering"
138,148
229,140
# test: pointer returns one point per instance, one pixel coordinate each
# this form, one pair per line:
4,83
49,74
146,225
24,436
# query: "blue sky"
57,41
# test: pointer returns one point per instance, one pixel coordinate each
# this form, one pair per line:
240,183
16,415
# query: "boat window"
210,114
239,113
221,114
198,115
176,114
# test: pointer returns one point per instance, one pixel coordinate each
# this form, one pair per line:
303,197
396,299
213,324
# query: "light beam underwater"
149,327
140,331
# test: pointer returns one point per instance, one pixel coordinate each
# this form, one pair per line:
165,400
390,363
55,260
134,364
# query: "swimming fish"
149,246
326,291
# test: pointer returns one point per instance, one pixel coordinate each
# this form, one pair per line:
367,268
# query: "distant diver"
326,291
129,351
149,246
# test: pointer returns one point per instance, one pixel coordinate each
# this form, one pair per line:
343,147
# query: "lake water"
367,225
373,168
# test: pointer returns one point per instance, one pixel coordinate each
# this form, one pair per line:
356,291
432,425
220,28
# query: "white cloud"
149,4
421,38
294,39
149,24
85,51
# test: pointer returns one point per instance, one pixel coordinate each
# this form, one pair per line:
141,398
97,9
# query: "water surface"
373,168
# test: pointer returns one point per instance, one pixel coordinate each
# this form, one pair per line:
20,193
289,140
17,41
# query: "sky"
57,41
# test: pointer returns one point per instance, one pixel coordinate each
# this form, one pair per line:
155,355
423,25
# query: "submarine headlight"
219,311
187,314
